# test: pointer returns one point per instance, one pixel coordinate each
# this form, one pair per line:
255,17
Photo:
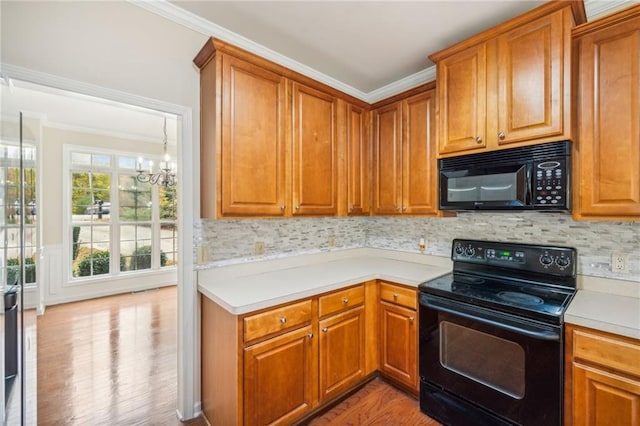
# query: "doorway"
184,275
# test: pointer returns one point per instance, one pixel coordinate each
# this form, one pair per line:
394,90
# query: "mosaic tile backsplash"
233,241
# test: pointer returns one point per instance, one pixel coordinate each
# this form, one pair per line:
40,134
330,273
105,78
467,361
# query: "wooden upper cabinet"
531,80
404,164
387,164
608,149
510,85
358,160
462,92
254,144
419,170
315,160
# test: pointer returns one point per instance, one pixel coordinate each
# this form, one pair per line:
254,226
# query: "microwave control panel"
550,183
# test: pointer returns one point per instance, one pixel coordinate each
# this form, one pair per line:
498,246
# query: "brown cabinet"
404,172
508,86
341,341
271,140
607,163
358,160
280,378
276,365
602,386
314,160
399,335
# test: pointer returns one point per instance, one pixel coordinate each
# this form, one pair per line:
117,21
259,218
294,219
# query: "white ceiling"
67,110
369,49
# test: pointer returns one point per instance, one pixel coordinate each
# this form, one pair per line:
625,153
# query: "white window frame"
114,222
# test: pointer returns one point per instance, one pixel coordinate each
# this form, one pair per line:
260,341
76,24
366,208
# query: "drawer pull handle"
325,329
395,296
283,320
345,300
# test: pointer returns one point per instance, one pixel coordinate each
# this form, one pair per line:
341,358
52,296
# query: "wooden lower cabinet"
278,365
603,379
280,378
399,334
342,352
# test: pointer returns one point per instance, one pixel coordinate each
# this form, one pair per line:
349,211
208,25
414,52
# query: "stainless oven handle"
462,312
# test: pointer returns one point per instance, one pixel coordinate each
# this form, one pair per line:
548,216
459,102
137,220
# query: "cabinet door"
342,352
462,93
314,164
387,169
358,158
603,398
399,344
531,80
254,145
279,378
609,122
419,179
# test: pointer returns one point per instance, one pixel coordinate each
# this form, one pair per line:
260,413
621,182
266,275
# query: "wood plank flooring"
109,361
377,403
113,361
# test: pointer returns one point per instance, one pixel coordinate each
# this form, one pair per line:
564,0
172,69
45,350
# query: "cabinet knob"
297,207
395,296
411,319
325,329
345,300
404,208
282,207
397,208
310,335
479,139
501,135
283,320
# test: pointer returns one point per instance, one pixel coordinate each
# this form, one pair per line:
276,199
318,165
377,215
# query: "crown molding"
598,8
194,22
178,15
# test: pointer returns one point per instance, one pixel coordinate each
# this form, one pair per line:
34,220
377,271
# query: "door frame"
188,403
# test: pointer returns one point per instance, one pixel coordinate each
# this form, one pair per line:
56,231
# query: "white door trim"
188,326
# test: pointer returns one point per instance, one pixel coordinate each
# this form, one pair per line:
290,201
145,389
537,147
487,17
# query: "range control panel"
527,257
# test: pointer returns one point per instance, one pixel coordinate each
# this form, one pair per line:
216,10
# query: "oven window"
487,359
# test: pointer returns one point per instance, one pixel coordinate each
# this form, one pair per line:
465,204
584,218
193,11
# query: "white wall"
121,47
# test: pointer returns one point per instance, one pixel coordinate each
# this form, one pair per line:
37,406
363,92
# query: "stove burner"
520,298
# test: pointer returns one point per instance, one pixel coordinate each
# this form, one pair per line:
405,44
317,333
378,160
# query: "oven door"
481,367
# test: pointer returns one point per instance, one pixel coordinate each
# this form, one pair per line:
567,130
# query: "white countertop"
249,287
600,303
606,305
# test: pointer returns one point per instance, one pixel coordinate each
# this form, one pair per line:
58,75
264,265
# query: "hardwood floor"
112,361
109,361
377,403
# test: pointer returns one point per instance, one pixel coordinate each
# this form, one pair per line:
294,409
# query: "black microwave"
534,177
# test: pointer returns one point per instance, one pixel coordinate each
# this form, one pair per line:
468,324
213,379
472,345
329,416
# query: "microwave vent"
512,155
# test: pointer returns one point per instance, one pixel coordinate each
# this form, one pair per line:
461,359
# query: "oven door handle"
525,329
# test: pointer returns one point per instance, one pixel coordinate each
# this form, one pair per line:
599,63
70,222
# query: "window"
12,211
118,225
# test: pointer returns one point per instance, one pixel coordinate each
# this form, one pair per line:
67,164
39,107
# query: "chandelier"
166,174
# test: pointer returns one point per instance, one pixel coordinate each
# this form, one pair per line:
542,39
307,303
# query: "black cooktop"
531,281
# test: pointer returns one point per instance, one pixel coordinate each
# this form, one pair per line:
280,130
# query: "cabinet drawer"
340,300
608,351
276,320
398,295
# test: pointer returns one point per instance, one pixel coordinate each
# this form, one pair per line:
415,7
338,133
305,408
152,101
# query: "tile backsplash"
233,241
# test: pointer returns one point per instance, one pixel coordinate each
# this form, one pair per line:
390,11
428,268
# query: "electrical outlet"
619,262
258,248
331,241
203,255
422,244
